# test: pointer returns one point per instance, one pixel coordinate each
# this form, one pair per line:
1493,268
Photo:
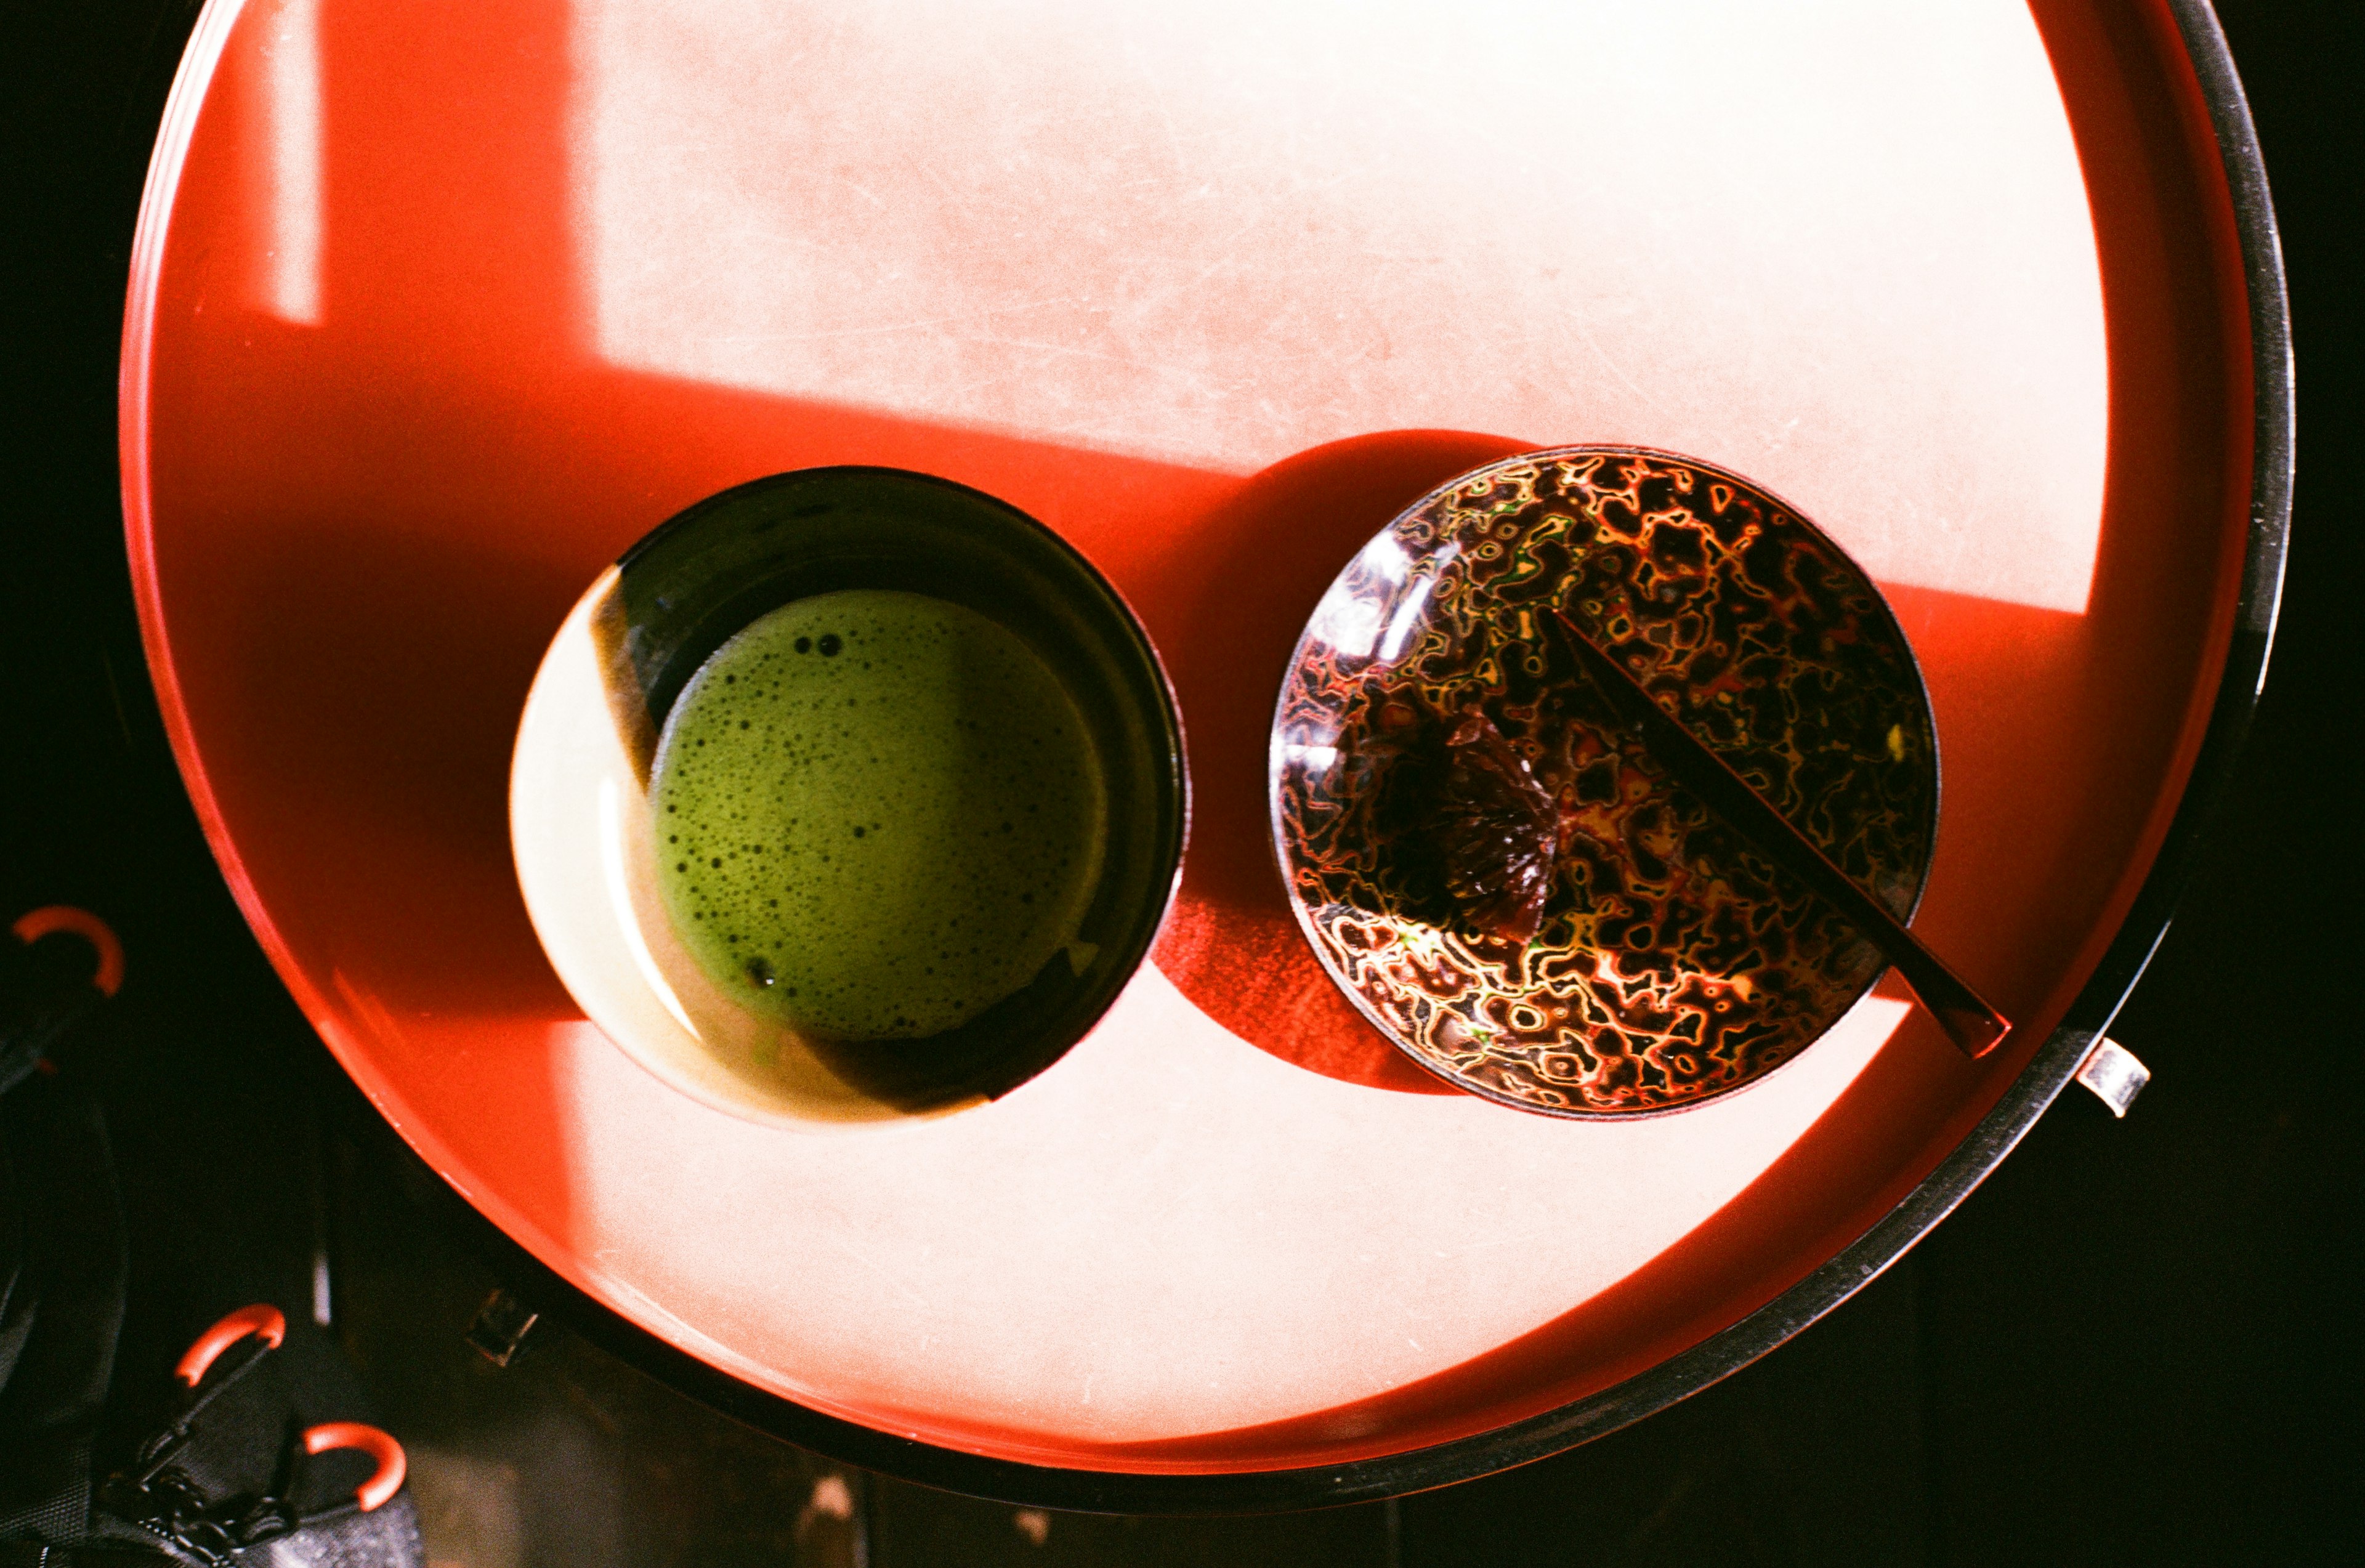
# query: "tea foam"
876,813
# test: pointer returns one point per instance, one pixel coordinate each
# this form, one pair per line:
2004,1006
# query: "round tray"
433,314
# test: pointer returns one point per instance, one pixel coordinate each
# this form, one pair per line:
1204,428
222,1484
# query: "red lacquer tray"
435,310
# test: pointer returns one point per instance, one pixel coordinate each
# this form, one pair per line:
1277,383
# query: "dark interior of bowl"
697,580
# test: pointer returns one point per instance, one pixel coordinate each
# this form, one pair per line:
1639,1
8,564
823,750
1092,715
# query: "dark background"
2129,1346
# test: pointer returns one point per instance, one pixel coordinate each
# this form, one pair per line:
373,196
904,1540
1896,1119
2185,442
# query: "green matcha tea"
878,814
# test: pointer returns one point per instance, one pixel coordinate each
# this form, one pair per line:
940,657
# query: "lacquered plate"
435,310
1676,961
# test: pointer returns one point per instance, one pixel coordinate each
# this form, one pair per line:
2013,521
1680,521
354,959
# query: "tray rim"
2049,1070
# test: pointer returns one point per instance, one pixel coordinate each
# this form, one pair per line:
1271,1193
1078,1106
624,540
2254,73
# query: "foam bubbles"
883,814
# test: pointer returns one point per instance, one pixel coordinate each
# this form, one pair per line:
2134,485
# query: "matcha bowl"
847,795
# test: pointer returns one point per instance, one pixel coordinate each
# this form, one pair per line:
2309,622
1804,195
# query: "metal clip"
2114,1075
500,1327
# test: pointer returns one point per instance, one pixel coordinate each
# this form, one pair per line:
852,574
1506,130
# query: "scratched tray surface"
435,311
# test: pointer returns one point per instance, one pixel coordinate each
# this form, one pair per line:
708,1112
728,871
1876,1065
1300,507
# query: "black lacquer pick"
1971,1023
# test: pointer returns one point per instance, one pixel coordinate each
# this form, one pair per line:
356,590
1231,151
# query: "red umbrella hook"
266,1322
34,925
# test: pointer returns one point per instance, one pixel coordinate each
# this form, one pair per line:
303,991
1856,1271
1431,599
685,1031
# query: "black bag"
244,1463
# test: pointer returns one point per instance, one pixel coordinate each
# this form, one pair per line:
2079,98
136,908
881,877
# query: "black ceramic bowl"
588,739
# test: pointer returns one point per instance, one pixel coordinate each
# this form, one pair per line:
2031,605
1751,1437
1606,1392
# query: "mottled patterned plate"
1675,962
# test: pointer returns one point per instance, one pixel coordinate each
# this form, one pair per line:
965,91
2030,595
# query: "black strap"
26,1040
25,1554
62,1284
